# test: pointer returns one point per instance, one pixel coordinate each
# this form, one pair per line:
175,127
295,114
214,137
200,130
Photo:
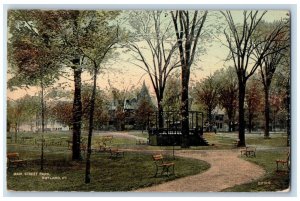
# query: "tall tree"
242,41
188,28
152,36
62,30
270,63
33,54
99,39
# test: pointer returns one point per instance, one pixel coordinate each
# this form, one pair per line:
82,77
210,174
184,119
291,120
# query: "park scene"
148,101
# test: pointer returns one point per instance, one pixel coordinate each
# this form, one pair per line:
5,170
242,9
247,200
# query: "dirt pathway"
120,134
226,170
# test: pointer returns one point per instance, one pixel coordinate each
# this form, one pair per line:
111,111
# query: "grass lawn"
272,181
134,171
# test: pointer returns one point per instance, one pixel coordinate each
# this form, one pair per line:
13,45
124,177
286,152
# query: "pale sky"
126,75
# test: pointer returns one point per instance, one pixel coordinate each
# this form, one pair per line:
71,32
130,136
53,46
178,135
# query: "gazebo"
168,133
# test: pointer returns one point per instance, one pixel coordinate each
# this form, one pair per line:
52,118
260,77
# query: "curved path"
226,170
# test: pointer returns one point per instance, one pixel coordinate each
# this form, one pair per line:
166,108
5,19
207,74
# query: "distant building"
123,112
50,125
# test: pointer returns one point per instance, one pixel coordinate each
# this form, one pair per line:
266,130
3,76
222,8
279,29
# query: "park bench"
13,160
116,153
283,162
249,151
164,167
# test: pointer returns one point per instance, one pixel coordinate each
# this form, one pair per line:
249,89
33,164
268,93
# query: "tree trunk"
242,91
90,134
77,115
185,109
43,126
267,113
230,120
160,112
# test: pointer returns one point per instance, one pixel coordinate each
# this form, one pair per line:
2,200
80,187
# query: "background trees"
144,108
172,94
43,43
253,101
273,58
206,92
228,93
242,40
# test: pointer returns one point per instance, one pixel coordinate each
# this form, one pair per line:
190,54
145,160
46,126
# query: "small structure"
169,134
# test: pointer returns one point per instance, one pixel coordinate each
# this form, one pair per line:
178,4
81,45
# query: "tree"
270,63
171,100
242,40
188,29
228,91
152,36
60,29
33,54
144,107
97,45
206,92
23,110
62,112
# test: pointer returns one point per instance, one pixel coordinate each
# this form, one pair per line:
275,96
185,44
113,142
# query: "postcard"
148,100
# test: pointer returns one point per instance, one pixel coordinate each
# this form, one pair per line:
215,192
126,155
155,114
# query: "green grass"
134,171
276,141
137,169
216,141
272,181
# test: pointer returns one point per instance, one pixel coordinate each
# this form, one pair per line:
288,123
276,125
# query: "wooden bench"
249,151
13,160
283,162
115,153
163,166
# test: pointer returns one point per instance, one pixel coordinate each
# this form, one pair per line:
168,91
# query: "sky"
126,75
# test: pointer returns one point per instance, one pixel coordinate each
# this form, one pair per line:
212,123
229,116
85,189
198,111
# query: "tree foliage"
206,92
